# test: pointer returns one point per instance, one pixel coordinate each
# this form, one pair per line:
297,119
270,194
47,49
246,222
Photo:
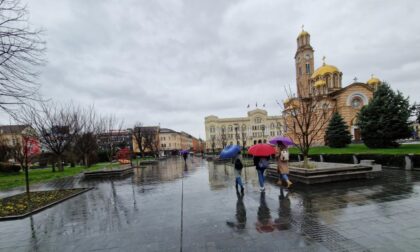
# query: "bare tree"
223,138
86,143
306,119
139,135
146,138
213,142
24,151
57,126
243,133
110,137
21,53
151,140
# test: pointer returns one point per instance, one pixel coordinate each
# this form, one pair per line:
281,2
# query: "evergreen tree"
337,133
385,119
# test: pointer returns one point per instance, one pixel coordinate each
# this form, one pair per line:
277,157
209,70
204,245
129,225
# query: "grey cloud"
175,62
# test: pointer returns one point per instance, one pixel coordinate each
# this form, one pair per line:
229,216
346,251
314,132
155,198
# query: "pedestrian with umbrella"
261,153
184,154
282,156
234,152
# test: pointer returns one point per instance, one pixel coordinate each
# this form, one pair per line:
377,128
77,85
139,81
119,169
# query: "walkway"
157,209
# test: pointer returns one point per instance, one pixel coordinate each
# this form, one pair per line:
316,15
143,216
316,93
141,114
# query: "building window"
212,129
230,128
308,69
257,120
300,71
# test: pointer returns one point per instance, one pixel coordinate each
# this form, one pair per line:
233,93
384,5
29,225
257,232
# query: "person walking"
185,156
261,163
283,164
237,162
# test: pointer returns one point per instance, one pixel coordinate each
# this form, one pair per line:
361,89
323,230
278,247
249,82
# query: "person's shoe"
242,189
262,189
289,183
279,182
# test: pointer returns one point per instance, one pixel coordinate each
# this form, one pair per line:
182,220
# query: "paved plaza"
173,207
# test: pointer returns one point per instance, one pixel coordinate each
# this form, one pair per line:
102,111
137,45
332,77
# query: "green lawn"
10,180
361,149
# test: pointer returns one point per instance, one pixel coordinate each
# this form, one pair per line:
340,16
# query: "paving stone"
166,207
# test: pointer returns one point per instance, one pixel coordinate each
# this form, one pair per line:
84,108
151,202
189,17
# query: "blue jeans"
238,177
261,177
284,176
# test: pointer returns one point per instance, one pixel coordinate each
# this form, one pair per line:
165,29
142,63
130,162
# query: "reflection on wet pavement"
173,207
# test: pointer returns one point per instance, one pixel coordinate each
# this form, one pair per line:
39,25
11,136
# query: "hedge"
7,167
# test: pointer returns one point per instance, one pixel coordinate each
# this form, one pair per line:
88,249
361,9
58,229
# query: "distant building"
256,127
120,138
12,135
171,141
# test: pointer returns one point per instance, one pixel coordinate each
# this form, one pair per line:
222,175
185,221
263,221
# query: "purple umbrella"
184,152
285,140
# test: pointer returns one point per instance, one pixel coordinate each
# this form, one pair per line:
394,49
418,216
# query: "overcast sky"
174,62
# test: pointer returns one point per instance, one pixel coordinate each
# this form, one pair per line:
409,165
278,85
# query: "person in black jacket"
237,162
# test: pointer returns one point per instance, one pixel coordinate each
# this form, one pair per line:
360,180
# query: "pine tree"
385,119
337,133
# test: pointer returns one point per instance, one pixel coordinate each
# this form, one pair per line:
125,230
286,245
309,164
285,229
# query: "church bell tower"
304,62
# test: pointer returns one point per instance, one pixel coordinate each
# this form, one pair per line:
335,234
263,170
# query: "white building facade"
257,127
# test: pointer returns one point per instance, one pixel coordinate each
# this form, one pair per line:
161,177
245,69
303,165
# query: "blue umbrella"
230,151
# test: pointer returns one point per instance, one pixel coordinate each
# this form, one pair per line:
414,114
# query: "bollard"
355,161
409,162
321,158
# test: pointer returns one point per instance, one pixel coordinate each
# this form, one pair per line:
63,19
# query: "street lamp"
237,134
263,131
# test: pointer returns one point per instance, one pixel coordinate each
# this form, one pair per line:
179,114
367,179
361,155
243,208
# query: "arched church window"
356,102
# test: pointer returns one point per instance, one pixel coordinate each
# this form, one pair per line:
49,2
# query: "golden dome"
325,69
373,81
303,33
320,83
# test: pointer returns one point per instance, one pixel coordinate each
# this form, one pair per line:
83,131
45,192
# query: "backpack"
284,155
263,164
238,164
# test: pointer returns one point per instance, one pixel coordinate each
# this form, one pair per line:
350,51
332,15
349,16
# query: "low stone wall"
329,172
404,162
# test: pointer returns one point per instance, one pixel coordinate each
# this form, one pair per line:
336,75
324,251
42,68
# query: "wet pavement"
173,207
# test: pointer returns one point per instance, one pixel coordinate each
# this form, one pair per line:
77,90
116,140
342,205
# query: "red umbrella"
261,150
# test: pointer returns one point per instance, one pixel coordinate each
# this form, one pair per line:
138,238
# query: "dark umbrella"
261,150
285,140
229,151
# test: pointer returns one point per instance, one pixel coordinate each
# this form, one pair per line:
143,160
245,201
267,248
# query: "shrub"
337,133
8,167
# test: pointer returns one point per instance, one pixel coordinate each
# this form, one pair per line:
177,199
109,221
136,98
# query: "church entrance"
357,136
355,131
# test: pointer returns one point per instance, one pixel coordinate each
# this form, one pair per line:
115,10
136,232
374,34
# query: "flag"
248,106
264,105
256,105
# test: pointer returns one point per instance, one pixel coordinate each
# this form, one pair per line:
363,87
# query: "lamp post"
263,131
237,134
